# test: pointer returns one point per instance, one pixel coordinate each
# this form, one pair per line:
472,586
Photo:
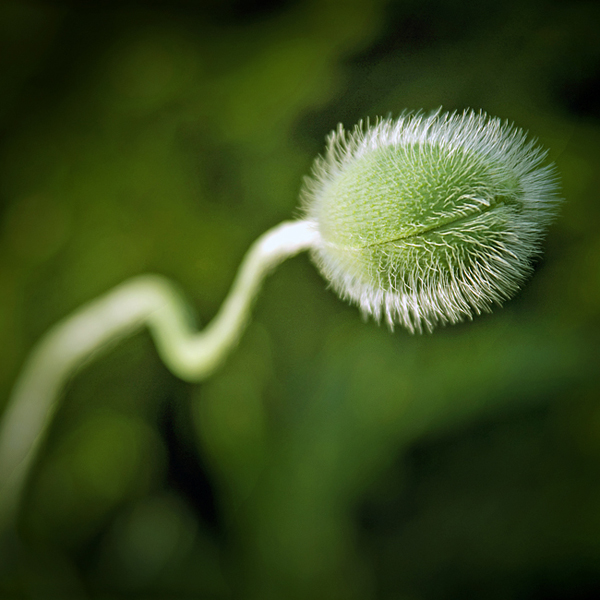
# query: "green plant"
424,220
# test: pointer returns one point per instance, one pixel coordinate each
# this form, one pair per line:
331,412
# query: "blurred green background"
330,458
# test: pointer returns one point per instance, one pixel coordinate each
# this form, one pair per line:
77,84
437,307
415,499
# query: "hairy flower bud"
428,220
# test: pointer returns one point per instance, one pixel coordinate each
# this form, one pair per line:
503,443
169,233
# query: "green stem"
147,300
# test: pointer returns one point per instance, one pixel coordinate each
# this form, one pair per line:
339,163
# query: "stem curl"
149,300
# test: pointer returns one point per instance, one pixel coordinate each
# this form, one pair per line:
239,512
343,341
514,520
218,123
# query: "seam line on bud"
435,228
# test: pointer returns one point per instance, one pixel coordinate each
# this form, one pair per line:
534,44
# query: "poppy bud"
428,220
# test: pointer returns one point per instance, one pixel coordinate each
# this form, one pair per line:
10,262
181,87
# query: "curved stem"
148,300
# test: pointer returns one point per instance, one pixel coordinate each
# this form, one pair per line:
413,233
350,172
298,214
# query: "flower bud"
428,220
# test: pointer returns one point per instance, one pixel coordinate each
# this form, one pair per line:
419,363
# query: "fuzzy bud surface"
428,220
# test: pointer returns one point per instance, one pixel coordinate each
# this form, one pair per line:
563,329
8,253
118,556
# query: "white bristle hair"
478,236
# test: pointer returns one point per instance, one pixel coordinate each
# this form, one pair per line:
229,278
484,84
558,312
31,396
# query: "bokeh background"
329,458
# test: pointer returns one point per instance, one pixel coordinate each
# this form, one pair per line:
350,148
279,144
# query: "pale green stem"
147,300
